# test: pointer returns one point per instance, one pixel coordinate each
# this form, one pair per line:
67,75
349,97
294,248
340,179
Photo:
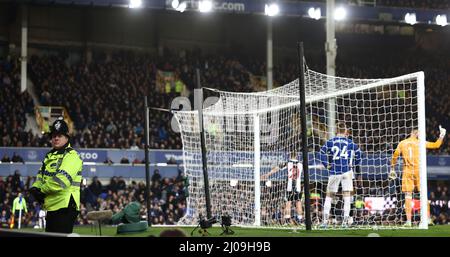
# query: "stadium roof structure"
286,8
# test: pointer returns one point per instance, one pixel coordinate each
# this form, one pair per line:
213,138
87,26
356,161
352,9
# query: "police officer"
58,181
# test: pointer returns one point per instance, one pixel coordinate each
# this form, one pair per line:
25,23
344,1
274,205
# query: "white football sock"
326,209
346,206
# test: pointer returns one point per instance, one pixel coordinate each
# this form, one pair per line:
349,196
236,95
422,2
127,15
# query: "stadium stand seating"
104,99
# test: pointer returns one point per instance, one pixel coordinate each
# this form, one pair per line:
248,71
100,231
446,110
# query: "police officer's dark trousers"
62,220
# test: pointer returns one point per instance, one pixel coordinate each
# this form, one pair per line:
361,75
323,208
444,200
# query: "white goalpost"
247,135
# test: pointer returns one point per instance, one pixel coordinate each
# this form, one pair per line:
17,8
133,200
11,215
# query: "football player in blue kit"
341,156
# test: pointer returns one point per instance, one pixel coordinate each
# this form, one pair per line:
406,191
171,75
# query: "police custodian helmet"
59,127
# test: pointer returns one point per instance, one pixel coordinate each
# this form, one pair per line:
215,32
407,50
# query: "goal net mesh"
249,134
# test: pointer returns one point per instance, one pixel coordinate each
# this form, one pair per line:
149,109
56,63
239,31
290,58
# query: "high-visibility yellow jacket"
179,86
19,204
60,178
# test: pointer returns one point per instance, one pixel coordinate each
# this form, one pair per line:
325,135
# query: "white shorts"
335,180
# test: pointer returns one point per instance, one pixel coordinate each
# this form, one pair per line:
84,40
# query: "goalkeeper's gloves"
392,174
442,131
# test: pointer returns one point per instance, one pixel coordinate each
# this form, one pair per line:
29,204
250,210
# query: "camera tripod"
227,230
202,231
204,224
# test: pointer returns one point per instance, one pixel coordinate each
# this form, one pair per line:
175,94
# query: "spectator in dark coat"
5,158
16,158
96,186
16,181
156,176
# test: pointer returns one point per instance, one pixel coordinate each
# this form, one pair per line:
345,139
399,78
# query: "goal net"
248,135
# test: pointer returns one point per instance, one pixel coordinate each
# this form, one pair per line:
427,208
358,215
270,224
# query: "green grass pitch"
432,231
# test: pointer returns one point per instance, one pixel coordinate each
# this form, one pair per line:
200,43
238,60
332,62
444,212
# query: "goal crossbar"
309,99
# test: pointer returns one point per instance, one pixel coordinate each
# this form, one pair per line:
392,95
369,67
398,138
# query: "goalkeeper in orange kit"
409,150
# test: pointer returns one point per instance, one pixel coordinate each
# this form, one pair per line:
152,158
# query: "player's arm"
357,160
273,171
324,156
437,143
397,153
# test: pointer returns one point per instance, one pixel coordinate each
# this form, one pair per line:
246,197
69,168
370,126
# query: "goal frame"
420,82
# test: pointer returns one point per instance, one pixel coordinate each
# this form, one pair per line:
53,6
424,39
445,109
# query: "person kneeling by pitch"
57,184
129,219
129,214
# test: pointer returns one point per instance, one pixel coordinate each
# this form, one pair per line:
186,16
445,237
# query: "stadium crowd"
439,197
14,105
111,114
116,84
168,201
114,116
167,195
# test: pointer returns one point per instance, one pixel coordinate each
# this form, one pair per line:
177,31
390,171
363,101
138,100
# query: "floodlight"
441,20
314,13
410,18
135,4
340,13
182,7
175,4
205,6
271,9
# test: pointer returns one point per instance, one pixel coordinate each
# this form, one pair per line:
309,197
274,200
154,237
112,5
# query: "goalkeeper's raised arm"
409,148
437,143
